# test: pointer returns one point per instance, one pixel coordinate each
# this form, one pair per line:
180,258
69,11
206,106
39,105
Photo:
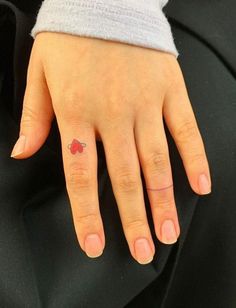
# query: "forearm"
137,22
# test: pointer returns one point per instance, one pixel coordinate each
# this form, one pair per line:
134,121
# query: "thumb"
37,113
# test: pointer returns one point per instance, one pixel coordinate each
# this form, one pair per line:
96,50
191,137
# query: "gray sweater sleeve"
136,22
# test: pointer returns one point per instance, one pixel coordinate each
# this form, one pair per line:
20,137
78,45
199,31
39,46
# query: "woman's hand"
116,93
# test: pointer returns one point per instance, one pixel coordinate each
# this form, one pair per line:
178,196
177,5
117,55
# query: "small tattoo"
160,188
76,146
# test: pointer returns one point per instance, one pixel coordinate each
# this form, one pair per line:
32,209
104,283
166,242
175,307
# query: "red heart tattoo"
76,146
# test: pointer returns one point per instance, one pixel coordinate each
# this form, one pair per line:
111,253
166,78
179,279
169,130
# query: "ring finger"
153,153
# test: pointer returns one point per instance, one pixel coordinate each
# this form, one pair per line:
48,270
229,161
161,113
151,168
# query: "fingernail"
93,246
19,146
168,232
204,185
143,251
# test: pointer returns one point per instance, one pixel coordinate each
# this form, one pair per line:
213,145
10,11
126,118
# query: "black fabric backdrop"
41,263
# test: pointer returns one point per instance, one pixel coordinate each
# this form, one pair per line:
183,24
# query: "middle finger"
124,170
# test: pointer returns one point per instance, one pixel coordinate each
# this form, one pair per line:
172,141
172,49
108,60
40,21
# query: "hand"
119,94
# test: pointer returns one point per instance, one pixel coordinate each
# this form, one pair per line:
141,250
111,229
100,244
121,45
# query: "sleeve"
137,22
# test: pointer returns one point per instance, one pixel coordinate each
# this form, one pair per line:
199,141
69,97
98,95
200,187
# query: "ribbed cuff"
128,21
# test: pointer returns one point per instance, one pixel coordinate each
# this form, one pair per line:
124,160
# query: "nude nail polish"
143,251
204,185
93,246
168,232
19,146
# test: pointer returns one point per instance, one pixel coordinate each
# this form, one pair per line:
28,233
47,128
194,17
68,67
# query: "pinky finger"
182,124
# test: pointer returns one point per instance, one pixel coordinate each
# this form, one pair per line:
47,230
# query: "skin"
119,94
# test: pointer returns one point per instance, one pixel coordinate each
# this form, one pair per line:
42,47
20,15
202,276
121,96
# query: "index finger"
80,166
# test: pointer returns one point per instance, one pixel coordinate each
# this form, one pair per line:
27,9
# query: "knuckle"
187,130
197,159
29,115
134,224
157,162
115,108
127,182
165,203
113,115
66,102
86,219
78,177
72,98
